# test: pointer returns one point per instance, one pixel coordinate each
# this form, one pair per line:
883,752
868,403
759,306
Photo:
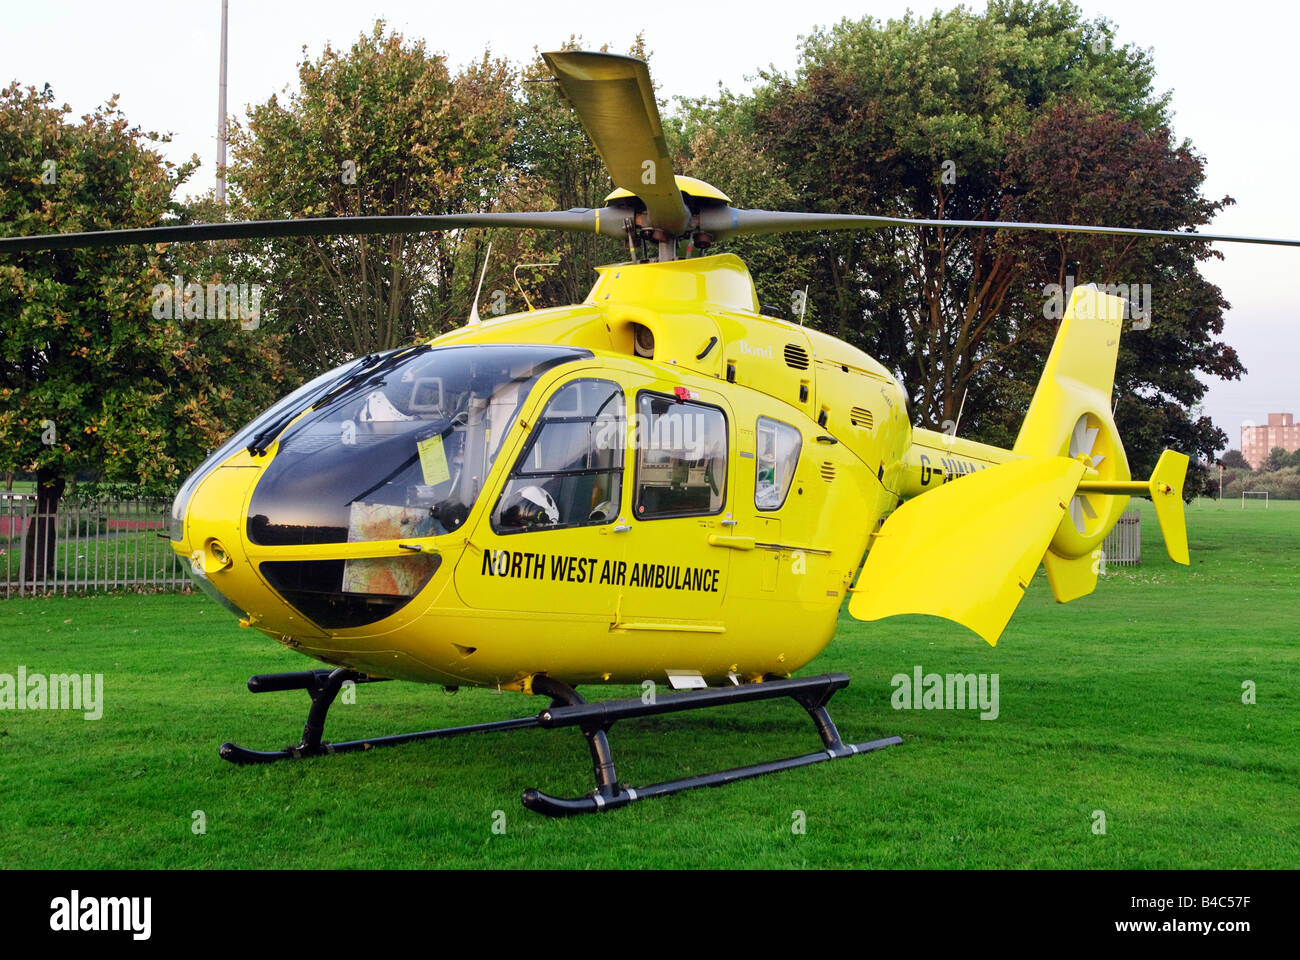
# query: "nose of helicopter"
208,536
325,518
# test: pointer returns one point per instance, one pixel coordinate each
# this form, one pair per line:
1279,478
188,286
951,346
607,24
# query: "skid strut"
323,686
569,709
595,719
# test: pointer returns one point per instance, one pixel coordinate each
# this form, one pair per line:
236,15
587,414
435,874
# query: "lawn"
1127,702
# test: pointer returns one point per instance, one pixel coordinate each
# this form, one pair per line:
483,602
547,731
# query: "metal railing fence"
98,545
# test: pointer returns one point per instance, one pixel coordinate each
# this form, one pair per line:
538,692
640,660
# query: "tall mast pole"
221,114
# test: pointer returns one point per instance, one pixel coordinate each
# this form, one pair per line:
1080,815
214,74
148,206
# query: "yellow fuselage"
744,590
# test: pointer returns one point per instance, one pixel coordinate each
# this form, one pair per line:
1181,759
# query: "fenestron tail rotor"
1083,442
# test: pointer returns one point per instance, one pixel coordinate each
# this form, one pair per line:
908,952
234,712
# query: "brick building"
1258,442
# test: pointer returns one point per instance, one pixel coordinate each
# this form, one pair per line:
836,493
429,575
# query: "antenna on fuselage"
473,310
957,423
520,287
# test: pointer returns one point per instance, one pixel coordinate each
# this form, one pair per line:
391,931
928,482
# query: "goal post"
1256,494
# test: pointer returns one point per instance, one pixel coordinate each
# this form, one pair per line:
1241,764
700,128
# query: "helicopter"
661,484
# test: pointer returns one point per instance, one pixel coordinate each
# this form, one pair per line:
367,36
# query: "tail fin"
967,550
1167,496
1070,416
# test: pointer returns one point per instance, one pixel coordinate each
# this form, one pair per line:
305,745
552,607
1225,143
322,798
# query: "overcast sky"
1231,67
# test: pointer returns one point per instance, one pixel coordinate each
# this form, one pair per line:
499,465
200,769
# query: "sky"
1231,69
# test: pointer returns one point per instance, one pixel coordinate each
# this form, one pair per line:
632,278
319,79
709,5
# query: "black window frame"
534,434
726,453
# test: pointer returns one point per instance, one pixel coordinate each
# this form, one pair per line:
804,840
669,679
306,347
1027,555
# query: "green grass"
1128,701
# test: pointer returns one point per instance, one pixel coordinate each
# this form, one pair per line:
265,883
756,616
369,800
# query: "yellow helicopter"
661,483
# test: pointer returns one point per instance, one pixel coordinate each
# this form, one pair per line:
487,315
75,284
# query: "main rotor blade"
615,101
606,220
725,222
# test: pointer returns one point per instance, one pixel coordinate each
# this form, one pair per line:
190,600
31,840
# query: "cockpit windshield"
401,451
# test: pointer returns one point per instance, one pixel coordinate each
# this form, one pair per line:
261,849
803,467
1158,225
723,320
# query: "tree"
1234,459
1022,111
381,129
1076,165
92,376
1278,459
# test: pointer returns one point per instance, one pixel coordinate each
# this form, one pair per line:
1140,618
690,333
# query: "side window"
570,473
681,467
778,452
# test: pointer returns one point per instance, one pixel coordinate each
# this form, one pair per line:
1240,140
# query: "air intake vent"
828,471
796,356
861,417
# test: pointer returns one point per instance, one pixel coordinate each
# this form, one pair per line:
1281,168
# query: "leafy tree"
1075,165
92,378
1235,460
1278,459
1024,111
381,129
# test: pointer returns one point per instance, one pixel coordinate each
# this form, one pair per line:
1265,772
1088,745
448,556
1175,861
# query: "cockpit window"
400,452
571,472
304,396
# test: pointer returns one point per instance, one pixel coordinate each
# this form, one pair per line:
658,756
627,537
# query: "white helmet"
379,409
543,501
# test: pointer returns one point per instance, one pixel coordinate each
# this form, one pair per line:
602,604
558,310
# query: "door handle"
735,543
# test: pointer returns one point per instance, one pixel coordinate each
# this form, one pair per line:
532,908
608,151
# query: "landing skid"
323,686
569,709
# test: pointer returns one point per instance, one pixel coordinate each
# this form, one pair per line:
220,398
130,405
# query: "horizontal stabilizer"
967,551
1165,488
